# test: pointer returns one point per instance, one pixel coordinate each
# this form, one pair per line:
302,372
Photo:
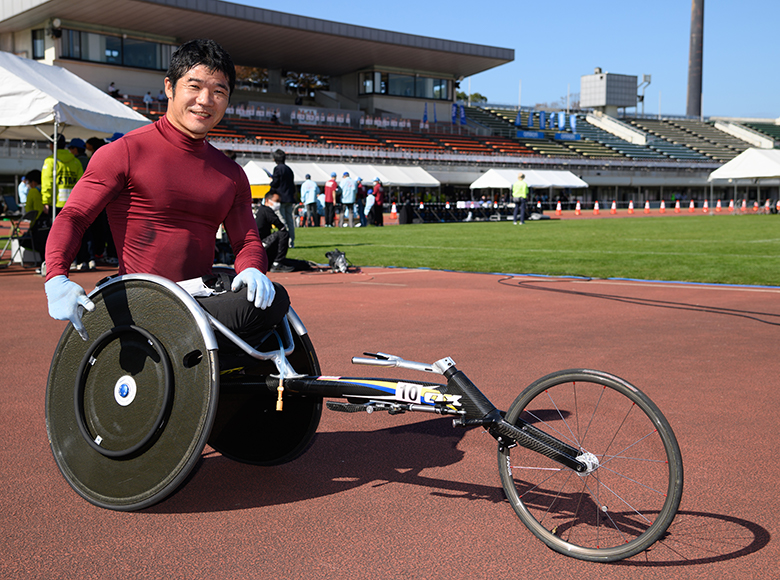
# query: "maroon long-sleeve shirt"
166,195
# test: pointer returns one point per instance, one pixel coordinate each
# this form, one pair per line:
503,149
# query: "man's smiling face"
198,102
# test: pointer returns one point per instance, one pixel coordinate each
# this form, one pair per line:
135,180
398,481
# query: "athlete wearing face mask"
273,232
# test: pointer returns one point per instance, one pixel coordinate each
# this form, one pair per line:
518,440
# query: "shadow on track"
534,285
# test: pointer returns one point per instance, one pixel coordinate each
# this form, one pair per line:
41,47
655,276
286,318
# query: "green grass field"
721,249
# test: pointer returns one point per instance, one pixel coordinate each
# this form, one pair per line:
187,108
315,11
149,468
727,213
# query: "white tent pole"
54,193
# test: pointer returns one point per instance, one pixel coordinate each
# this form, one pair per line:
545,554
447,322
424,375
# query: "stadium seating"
768,129
670,140
619,147
678,139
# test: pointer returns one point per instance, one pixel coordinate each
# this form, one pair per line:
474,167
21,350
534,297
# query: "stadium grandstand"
331,93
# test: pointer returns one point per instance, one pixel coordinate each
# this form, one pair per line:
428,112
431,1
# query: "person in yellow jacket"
519,196
69,171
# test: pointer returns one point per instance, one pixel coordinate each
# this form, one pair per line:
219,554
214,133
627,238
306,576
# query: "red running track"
410,497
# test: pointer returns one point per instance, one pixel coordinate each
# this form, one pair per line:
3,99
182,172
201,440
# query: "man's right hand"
67,301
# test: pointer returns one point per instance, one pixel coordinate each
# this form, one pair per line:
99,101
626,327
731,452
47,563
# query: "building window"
93,47
38,44
398,85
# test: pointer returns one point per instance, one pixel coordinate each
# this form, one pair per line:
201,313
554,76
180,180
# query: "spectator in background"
39,227
275,242
85,259
360,203
519,196
161,98
379,200
69,171
148,100
283,183
368,212
22,190
78,148
309,193
102,240
34,201
113,91
348,198
332,191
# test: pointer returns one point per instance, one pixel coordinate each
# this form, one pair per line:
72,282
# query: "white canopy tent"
542,178
392,175
37,99
751,164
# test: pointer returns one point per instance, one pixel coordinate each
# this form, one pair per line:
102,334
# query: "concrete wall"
129,81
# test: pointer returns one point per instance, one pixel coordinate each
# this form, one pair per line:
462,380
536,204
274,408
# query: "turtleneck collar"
177,138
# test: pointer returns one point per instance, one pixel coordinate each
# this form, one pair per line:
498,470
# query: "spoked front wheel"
633,485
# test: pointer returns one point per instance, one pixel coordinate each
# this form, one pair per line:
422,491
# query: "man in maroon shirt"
331,194
166,191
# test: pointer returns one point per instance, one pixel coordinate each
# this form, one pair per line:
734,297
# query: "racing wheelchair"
586,460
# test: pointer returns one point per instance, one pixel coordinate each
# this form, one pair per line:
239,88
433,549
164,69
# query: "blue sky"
555,43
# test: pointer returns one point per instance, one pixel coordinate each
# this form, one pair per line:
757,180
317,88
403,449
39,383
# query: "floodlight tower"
695,59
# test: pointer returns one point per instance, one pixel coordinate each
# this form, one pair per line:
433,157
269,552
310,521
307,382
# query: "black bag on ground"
337,261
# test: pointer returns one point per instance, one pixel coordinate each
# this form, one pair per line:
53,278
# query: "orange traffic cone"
647,206
706,207
447,206
393,212
691,207
422,206
613,209
558,209
744,205
777,207
662,209
631,206
718,207
596,208
767,206
731,205
677,206
578,208
755,206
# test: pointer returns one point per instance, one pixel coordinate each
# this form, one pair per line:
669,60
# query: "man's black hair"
96,143
34,175
60,141
279,156
197,52
269,195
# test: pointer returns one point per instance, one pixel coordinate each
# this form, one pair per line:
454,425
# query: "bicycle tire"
637,468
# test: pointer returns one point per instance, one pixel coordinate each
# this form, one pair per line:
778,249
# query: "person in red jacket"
166,191
332,191
379,200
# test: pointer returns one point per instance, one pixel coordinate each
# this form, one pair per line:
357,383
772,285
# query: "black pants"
251,324
312,217
276,246
329,213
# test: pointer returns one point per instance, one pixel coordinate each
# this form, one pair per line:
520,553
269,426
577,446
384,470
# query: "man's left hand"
259,288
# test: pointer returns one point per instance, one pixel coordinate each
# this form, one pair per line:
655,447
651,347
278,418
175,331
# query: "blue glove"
259,288
67,301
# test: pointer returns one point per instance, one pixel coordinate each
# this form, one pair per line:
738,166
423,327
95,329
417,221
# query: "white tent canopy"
257,172
33,95
750,164
390,175
504,178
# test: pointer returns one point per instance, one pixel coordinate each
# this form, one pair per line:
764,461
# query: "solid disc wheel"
128,415
631,492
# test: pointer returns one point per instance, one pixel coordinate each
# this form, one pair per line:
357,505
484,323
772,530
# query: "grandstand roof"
265,38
